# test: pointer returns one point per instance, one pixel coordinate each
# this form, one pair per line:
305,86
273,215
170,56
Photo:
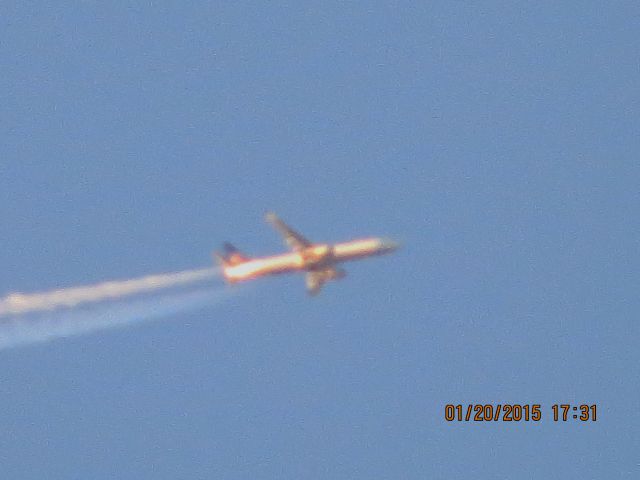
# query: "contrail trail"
20,303
44,326
37,317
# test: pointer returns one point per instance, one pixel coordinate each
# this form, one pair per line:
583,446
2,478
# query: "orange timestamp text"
515,412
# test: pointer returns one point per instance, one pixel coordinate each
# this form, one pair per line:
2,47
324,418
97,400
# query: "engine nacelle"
316,255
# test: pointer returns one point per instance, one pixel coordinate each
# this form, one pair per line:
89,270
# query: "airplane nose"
388,245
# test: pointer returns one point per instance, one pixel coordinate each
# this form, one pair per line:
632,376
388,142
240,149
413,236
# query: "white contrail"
34,328
21,303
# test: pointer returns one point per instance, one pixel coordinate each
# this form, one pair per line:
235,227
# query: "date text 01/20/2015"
514,412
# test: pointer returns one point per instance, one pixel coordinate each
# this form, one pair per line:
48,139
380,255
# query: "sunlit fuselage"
315,257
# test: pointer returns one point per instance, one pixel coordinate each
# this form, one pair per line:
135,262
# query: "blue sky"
499,141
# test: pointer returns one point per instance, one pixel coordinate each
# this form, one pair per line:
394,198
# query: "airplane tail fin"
230,255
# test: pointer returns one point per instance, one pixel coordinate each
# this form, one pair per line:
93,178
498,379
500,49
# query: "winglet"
270,217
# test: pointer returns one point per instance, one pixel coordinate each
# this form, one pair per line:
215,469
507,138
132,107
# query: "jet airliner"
318,260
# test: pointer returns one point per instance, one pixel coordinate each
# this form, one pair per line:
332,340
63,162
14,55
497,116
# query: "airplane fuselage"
313,258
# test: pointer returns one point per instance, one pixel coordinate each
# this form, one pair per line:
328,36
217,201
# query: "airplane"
318,260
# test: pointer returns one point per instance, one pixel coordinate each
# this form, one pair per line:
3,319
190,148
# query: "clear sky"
498,140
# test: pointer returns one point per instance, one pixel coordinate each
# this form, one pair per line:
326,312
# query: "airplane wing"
294,240
317,278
